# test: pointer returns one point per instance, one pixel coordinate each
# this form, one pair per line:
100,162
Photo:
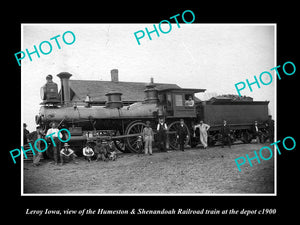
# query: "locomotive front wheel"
135,143
173,127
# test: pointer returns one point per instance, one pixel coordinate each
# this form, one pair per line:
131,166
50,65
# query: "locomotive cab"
179,102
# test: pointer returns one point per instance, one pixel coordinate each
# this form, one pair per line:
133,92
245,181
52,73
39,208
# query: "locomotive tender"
88,116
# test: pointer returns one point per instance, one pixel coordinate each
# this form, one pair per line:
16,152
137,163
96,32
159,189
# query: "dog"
112,156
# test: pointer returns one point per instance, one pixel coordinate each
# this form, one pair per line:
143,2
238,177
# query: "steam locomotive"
122,120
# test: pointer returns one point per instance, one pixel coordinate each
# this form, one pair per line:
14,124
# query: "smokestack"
65,87
151,95
114,75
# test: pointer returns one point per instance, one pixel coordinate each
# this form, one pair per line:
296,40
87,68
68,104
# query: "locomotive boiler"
120,121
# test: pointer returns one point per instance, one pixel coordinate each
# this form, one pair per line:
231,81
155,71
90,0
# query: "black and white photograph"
149,111
131,109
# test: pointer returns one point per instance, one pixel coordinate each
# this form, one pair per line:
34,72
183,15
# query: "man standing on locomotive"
162,134
270,128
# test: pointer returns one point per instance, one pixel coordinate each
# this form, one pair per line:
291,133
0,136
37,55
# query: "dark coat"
182,133
254,129
162,135
225,130
270,125
25,136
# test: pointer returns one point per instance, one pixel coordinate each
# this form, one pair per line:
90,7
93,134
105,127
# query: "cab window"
178,100
169,100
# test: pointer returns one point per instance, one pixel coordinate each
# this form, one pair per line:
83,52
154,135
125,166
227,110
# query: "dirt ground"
193,171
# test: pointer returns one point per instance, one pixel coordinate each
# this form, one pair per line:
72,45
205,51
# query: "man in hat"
50,91
38,155
256,132
25,134
53,131
225,132
162,134
270,128
66,154
203,128
88,152
148,138
182,134
49,78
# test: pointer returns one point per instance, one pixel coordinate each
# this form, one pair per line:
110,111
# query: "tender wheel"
212,139
172,130
135,143
246,137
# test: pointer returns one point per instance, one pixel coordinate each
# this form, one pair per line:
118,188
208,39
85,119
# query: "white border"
158,194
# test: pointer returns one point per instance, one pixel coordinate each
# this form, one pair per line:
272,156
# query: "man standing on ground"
56,143
270,128
256,132
225,132
203,128
162,134
148,138
182,135
38,155
25,134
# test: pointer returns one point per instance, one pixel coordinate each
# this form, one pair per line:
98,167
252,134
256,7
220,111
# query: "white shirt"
55,131
163,124
87,99
190,103
70,152
87,151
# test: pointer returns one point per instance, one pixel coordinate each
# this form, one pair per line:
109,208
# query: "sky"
210,56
